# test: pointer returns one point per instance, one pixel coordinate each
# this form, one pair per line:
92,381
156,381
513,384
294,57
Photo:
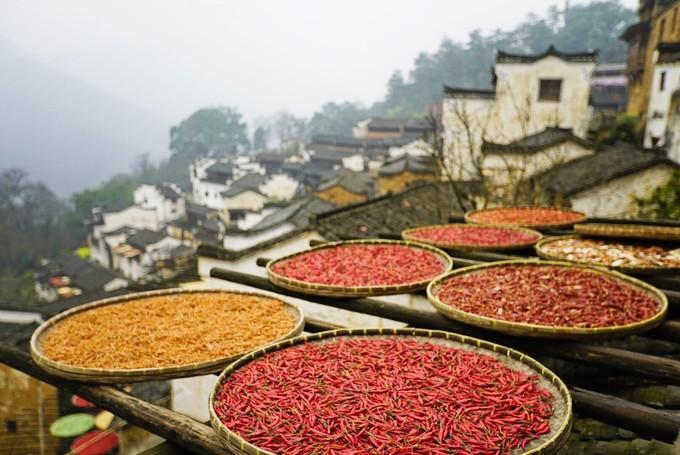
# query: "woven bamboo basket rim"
581,219
113,375
546,331
551,445
407,234
630,231
327,290
621,268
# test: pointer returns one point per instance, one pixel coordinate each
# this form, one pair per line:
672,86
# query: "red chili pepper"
383,395
548,295
525,216
470,235
362,265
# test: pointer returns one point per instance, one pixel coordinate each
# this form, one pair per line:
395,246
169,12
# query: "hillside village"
538,134
526,139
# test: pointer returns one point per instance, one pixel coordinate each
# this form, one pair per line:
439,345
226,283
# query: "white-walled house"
237,198
165,198
210,177
280,187
526,157
607,183
530,93
418,147
665,81
136,257
110,226
68,275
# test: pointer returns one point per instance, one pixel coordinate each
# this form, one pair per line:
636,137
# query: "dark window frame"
550,90
11,426
662,27
662,81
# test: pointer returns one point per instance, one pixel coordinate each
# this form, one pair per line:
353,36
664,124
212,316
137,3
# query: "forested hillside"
591,26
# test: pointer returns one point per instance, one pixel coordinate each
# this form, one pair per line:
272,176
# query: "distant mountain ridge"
64,131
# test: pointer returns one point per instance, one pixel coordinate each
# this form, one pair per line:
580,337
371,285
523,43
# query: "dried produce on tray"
473,237
161,333
539,298
623,255
383,394
531,217
364,267
630,231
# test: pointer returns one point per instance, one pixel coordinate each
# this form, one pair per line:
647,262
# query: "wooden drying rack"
196,437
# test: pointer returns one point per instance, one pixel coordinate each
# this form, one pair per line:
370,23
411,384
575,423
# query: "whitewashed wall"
659,102
616,197
280,187
241,242
149,197
517,90
498,166
248,200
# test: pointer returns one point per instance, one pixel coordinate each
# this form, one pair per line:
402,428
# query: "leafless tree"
459,157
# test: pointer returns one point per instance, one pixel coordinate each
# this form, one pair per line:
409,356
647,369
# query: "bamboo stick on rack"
644,364
181,430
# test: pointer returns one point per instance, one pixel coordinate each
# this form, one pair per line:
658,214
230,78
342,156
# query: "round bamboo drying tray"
629,231
621,268
116,376
327,290
544,331
408,235
551,443
555,225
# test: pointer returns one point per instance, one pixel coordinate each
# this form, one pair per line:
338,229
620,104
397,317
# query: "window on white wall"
550,90
662,81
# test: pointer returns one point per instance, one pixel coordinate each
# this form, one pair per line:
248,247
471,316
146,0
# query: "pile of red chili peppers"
525,216
473,235
362,265
548,295
383,395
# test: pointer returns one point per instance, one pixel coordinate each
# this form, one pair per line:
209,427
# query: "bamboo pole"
644,364
196,437
186,432
650,422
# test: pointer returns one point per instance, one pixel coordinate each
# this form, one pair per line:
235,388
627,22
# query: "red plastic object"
95,443
80,402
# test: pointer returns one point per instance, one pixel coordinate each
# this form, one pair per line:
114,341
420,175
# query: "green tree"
260,138
581,27
664,203
220,131
33,225
334,118
117,189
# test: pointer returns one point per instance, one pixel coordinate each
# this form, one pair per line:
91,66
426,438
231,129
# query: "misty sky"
171,57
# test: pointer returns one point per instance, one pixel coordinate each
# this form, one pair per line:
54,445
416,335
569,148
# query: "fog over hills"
64,131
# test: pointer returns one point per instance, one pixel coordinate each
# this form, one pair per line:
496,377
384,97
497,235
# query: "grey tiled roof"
168,191
429,203
116,206
415,164
297,213
355,182
606,165
85,275
145,237
469,93
220,167
668,52
586,56
549,137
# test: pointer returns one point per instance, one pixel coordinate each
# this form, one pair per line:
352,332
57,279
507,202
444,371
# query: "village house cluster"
528,138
